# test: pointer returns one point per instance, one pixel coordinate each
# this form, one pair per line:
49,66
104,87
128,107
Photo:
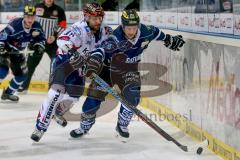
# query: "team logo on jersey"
55,13
133,59
144,44
39,11
35,33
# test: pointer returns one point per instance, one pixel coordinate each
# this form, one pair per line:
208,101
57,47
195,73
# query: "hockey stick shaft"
141,115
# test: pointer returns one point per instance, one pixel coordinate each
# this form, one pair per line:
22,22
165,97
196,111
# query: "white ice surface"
17,122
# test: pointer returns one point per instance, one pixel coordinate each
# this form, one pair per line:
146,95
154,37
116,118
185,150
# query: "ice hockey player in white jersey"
65,88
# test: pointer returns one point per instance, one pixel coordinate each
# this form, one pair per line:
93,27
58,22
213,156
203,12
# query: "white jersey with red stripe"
82,38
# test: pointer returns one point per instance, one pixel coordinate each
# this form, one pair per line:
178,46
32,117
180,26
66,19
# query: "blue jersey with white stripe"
16,37
132,48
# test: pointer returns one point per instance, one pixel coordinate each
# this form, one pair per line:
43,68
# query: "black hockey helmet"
130,18
29,10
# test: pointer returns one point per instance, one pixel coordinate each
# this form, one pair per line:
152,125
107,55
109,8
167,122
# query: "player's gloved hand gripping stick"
198,148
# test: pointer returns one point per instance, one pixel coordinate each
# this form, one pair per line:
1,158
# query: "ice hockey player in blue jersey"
18,34
130,38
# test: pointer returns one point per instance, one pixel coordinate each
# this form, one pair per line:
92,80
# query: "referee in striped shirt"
53,20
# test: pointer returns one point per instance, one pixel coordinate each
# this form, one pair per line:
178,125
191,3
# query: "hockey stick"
198,148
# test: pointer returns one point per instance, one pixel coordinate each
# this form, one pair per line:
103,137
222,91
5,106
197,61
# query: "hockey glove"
94,64
75,60
174,43
37,47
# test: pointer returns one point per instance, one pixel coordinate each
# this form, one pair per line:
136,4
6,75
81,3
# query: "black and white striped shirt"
52,19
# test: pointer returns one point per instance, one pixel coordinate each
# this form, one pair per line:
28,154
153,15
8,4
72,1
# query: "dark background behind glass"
182,6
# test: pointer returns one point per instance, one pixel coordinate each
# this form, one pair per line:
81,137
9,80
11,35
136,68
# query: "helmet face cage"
29,10
93,9
130,18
